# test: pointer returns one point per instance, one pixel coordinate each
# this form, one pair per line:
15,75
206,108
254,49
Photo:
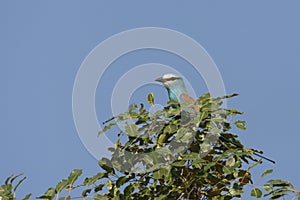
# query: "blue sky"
255,45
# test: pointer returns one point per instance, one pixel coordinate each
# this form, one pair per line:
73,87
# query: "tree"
174,153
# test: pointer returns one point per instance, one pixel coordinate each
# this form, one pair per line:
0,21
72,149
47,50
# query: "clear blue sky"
255,45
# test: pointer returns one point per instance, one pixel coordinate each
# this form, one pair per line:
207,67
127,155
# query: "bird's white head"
168,79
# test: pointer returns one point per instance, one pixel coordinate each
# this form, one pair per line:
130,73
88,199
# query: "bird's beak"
160,79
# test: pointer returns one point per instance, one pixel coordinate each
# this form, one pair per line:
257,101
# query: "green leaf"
15,177
100,197
266,172
150,98
105,164
121,181
19,183
74,176
99,187
279,183
161,172
128,190
93,179
187,138
156,175
49,194
131,130
268,188
209,165
161,197
236,190
203,98
240,124
228,169
205,147
148,159
106,128
234,112
280,192
192,156
8,179
254,164
61,185
256,193
109,184
163,151
228,96
178,163
162,138
44,197
276,196
171,128
86,192
27,197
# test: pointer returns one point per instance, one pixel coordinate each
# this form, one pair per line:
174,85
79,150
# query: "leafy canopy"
174,153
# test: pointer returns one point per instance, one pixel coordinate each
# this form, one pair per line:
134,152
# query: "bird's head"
170,80
174,85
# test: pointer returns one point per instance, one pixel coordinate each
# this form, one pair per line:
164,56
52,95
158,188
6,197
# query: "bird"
176,88
177,92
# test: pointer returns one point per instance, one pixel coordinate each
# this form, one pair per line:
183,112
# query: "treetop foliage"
185,151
